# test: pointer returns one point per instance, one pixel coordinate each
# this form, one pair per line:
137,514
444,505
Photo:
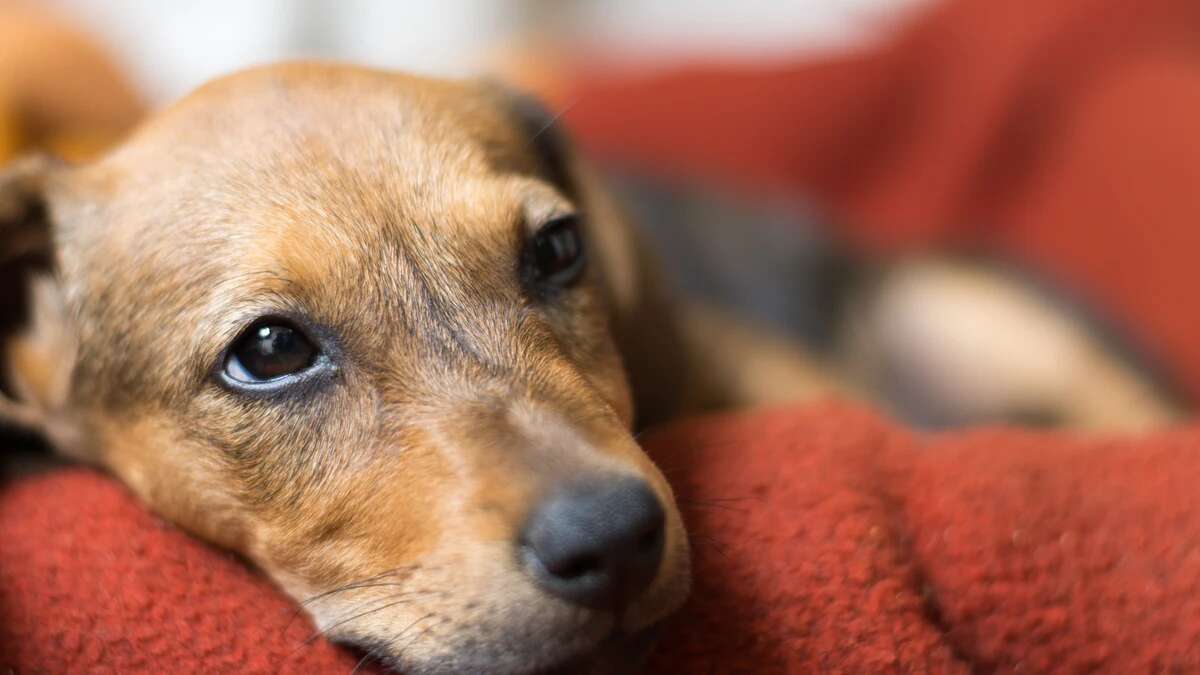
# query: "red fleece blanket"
825,540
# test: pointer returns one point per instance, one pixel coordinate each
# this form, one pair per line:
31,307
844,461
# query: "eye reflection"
269,351
555,255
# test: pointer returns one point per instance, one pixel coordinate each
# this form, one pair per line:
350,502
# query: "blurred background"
169,49
961,211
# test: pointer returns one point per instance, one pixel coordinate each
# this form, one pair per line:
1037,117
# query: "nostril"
576,567
597,543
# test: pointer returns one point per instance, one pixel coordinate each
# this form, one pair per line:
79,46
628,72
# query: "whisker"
410,626
711,542
366,582
743,498
710,504
389,602
354,587
356,584
553,120
361,662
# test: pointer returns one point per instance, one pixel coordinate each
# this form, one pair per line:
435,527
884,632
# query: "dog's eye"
267,351
555,256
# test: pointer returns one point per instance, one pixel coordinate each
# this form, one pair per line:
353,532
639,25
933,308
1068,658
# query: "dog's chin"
616,654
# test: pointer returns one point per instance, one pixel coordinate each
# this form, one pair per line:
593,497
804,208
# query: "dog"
388,338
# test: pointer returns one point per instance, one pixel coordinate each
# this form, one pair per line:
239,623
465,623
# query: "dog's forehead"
322,155
366,115
333,181
340,139
346,137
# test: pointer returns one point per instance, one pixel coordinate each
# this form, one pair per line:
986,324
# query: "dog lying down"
388,338
382,335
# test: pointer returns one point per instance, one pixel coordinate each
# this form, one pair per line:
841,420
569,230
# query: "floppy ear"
37,350
642,315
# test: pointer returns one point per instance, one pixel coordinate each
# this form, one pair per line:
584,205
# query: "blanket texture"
825,540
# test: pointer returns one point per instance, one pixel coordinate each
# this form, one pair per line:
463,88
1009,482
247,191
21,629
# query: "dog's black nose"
596,543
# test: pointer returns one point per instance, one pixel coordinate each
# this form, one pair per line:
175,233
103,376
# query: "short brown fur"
387,212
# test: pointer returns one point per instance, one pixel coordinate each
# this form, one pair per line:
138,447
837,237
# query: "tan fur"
983,345
388,210
741,364
58,89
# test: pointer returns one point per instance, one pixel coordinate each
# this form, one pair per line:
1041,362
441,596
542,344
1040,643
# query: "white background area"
172,46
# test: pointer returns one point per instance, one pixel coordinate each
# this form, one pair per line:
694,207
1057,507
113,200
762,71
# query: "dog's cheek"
598,360
593,351
178,478
378,518
608,376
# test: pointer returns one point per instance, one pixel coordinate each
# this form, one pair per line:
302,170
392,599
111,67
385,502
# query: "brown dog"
381,334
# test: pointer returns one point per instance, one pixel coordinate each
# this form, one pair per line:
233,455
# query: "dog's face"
359,327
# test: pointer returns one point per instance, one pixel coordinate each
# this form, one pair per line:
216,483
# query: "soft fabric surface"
1064,134
825,540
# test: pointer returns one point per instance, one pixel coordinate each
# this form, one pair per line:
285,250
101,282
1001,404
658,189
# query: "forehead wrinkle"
467,235
310,227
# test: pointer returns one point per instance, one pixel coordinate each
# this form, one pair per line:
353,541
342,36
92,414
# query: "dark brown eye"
555,256
268,351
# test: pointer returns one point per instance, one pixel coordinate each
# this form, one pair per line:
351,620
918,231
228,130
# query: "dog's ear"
642,316
36,344
24,229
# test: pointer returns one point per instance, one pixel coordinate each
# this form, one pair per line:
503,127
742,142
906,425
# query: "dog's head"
366,329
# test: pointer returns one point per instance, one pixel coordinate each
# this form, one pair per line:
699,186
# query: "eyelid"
327,363
237,318
540,204
291,386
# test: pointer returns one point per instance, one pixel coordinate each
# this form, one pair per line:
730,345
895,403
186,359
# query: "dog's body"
448,478
58,89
